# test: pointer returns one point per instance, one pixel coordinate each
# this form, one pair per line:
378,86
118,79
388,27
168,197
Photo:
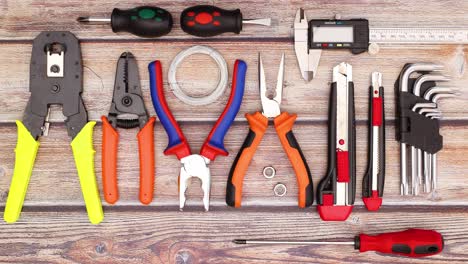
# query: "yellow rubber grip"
25,155
83,151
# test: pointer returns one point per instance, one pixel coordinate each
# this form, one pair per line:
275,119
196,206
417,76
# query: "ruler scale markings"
419,35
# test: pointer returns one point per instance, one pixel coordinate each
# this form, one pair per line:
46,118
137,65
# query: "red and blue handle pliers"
196,165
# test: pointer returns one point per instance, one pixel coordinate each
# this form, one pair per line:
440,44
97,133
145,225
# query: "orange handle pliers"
258,123
127,111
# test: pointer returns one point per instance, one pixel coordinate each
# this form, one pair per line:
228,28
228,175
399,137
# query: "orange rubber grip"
283,125
146,151
110,142
258,125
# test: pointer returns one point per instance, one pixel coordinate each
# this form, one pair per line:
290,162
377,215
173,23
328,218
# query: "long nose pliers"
258,123
196,165
127,111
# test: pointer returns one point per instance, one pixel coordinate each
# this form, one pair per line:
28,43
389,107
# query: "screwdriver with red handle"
413,243
208,21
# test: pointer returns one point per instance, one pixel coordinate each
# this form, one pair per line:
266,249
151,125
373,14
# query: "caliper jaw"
308,59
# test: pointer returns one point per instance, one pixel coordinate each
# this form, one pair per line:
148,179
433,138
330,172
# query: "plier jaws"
128,107
195,165
270,106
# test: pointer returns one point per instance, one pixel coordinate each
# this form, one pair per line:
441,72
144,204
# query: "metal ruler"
418,35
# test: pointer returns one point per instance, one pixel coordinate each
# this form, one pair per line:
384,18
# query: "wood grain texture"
54,227
24,20
161,236
309,100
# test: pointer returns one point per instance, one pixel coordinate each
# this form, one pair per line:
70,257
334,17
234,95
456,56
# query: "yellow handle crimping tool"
55,79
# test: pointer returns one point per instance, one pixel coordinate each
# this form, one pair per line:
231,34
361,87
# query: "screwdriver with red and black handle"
413,243
208,21
143,21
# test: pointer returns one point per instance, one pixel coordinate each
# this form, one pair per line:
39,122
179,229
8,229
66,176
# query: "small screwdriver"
208,21
143,21
412,243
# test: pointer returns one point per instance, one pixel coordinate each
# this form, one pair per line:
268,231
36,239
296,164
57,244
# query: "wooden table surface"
54,226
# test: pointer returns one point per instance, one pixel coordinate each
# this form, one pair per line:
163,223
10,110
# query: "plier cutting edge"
196,165
127,111
258,123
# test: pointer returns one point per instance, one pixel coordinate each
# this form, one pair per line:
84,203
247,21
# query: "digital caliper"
311,37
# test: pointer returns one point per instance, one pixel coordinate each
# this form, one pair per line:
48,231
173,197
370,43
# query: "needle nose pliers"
55,79
127,111
196,165
258,123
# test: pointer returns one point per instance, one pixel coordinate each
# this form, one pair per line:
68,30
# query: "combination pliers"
127,111
56,78
196,165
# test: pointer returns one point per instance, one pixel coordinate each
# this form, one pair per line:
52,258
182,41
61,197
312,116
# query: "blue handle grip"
177,143
214,144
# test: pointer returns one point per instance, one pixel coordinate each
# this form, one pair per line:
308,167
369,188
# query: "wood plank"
54,227
309,100
36,16
55,167
194,237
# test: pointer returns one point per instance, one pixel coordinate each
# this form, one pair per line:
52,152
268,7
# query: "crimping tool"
55,79
127,111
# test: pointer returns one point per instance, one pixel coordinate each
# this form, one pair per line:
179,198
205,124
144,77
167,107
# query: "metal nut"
269,172
280,189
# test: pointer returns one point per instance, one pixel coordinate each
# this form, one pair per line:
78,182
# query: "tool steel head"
427,78
438,90
128,107
308,59
416,67
271,106
195,166
423,105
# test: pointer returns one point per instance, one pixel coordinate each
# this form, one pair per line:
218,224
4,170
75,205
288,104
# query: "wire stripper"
127,111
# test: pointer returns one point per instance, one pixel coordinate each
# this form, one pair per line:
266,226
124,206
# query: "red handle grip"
412,243
146,151
208,21
110,141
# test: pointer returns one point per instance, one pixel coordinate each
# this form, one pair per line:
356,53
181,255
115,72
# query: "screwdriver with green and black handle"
143,21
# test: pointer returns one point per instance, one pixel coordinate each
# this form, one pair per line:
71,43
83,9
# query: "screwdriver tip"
93,20
239,241
82,19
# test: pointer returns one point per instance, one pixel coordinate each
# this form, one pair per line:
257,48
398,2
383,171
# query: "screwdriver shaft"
97,20
287,242
260,21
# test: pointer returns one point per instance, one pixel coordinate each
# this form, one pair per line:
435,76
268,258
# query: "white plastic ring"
222,82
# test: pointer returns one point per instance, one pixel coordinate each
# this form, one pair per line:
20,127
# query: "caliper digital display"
329,34
352,34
